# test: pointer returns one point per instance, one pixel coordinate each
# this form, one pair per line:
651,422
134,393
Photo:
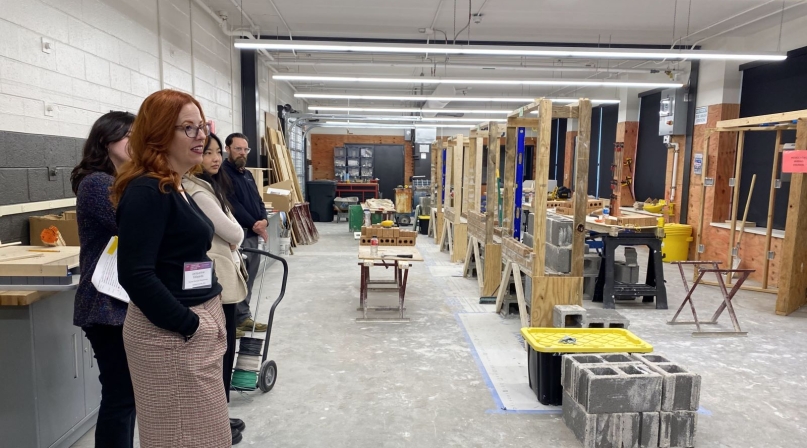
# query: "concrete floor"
348,384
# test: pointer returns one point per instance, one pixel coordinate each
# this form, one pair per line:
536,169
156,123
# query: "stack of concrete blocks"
591,270
627,271
559,232
629,401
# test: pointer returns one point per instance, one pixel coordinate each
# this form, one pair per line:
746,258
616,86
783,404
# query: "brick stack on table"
392,236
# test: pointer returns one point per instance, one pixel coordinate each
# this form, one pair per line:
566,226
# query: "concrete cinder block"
15,185
618,388
601,430
570,368
677,429
682,388
588,287
527,239
60,151
582,424
649,429
601,318
568,316
559,259
41,188
626,273
591,265
559,229
24,150
531,223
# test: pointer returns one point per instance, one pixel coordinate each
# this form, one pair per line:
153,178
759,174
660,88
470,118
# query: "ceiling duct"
442,90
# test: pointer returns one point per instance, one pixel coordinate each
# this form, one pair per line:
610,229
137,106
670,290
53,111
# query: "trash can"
320,195
675,246
423,223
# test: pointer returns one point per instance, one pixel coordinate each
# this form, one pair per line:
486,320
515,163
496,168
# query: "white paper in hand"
105,276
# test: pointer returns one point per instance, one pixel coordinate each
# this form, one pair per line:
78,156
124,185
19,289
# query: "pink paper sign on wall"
794,161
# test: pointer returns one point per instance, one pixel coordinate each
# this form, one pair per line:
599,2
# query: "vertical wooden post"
448,201
467,176
478,152
458,155
438,177
793,271
541,177
771,202
701,217
492,208
509,175
581,186
738,166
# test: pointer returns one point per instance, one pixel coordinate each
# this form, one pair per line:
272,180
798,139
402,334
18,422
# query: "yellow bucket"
675,246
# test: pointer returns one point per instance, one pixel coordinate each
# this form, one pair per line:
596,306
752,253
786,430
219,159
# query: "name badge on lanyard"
197,275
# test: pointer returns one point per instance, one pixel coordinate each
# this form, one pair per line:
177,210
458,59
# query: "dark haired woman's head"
211,171
106,148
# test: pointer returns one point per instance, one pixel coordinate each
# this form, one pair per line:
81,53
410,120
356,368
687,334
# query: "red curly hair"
152,133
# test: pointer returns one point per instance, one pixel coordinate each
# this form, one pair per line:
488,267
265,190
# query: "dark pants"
229,355
116,417
253,263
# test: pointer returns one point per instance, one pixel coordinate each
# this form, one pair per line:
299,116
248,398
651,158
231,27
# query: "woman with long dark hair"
209,188
100,316
174,332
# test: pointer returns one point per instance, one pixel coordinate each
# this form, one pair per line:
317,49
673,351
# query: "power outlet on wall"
49,110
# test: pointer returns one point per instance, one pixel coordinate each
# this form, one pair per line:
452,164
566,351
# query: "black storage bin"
320,195
544,374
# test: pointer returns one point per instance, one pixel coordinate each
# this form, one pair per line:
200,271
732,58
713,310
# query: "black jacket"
247,205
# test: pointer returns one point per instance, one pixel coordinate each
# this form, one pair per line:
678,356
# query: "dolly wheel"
267,376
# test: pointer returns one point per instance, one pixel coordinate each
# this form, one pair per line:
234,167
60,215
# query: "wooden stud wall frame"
792,291
483,246
454,235
547,291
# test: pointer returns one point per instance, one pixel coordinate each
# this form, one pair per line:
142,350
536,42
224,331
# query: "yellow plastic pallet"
586,340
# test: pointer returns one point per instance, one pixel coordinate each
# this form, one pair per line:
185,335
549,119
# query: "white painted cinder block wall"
106,55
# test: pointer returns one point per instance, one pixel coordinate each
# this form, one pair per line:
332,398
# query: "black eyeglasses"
192,131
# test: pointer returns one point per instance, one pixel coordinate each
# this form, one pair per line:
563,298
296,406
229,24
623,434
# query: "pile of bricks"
517,252
476,224
392,236
623,400
567,208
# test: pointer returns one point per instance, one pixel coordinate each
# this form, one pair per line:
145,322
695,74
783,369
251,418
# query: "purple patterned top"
96,225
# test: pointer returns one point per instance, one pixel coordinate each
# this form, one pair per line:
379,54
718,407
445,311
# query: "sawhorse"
727,297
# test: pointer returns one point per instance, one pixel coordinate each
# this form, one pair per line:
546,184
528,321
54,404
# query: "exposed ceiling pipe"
722,21
272,2
781,11
436,13
479,11
244,14
546,67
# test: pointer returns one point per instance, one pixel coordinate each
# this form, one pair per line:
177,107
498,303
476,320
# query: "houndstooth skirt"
178,389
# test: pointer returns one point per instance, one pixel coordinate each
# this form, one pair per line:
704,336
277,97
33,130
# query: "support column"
250,105
568,153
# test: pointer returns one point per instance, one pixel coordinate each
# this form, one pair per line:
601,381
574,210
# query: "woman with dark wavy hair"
174,331
100,316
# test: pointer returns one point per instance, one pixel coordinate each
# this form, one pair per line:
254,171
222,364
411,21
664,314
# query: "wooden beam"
509,175
738,166
781,127
468,176
793,267
523,122
438,200
771,205
558,111
492,207
581,187
763,119
456,176
543,147
478,162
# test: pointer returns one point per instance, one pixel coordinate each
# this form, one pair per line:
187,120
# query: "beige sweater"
227,232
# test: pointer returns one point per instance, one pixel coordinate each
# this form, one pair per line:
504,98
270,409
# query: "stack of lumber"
281,168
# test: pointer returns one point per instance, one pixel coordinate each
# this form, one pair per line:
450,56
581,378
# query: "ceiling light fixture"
553,52
395,126
515,82
407,110
503,99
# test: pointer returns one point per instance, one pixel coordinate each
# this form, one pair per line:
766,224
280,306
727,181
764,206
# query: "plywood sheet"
49,264
550,291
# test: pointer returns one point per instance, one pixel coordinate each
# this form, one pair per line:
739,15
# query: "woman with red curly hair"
174,332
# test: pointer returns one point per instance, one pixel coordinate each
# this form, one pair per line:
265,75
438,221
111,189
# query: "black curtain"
651,154
768,89
603,136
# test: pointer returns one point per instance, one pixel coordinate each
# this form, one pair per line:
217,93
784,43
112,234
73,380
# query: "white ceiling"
598,22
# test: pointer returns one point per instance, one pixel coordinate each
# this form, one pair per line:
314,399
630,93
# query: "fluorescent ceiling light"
395,126
502,99
599,53
407,110
517,82
469,120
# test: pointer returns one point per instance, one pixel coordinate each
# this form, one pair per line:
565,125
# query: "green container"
376,218
355,218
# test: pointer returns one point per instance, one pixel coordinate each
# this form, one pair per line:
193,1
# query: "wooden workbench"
386,257
36,263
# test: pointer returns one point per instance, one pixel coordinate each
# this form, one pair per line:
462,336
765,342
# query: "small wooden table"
388,256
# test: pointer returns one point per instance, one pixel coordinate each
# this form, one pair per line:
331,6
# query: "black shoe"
237,423
236,435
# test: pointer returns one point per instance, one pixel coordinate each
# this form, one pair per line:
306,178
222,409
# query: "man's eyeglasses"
192,131
244,150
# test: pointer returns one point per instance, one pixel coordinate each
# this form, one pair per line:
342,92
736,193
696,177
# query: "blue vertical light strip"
599,153
519,182
557,147
443,181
